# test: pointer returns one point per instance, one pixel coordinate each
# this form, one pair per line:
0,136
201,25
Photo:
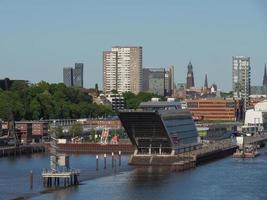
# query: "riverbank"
21,150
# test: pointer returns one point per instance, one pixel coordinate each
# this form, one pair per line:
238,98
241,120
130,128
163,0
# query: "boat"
249,151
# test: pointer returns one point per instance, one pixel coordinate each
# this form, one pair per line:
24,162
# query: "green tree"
57,132
76,130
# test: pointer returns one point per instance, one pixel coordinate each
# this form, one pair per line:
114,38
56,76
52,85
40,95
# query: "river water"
222,179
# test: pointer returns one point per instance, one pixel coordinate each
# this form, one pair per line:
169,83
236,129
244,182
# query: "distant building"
264,82
5,84
78,75
169,81
257,90
241,78
154,80
117,101
190,82
68,76
159,81
122,69
39,130
73,76
206,85
110,62
213,109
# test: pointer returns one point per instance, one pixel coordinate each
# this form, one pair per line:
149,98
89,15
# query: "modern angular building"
241,78
68,76
190,82
159,128
73,76
122,69
78,75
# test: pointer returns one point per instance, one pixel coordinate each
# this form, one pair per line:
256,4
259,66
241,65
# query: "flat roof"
159,103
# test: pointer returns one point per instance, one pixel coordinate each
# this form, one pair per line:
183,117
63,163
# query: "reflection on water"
220,180
14,173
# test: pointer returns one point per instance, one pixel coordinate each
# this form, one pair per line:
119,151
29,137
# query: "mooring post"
31,180
119,158
112,160
105,161
96,162
115,164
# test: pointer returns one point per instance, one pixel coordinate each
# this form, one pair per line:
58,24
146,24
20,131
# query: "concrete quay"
192,158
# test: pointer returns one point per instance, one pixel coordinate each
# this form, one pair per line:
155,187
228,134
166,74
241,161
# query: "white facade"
241,78
261,106
109,71
122,69
258,116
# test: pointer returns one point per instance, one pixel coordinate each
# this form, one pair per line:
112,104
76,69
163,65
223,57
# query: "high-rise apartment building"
122,69
110,61
241,78
190,82
73,76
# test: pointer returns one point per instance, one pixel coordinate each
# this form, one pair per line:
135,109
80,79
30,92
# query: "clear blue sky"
40,37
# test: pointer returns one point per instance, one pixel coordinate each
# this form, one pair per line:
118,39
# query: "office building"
122,69
67,76
78,75
159,81
154,80
241,78
169,81
73,76
213,109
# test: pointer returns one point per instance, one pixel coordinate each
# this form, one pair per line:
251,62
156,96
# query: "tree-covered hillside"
47,101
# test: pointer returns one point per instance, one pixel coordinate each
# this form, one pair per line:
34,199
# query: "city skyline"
170,33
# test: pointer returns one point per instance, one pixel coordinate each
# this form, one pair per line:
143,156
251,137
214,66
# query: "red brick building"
213,109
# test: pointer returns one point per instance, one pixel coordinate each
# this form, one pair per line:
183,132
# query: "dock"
192,158
67,178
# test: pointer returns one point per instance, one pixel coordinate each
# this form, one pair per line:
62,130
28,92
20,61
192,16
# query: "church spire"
206,85
190,76
264,82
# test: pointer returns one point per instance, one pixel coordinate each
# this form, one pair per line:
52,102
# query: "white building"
257,116
241,78
109,71
122,69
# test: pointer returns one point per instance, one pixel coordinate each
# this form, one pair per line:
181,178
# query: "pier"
67,178
190,157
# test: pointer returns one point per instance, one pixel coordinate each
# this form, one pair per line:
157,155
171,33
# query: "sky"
40,37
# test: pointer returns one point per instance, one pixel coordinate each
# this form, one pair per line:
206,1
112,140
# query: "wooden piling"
31,180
